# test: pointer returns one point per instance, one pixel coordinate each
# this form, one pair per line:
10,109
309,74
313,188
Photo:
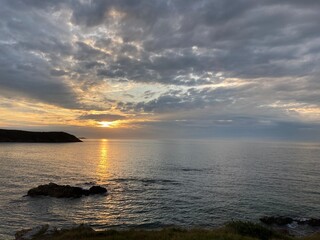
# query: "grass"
255,230
313,237
232,231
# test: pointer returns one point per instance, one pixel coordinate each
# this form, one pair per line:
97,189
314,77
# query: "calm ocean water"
155,183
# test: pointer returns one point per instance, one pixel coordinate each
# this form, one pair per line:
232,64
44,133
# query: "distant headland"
36,137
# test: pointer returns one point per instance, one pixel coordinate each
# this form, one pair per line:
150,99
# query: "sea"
158,183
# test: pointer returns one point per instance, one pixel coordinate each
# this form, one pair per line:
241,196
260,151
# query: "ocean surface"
157,183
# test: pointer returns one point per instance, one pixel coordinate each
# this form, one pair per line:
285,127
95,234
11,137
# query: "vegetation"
254,230
232,231
313,237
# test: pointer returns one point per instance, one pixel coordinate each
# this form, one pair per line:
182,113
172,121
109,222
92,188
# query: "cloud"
28,49
58,73
102,117
240,39
178,100
216,60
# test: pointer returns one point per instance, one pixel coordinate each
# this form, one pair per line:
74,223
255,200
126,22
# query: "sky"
162,68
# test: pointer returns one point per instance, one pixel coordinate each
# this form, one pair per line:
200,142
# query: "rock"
51,230
46,231
28,234
276,220
64,191
97,190
314,222
301,221
55,190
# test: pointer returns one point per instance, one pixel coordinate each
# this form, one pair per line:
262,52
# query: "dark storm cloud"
102,117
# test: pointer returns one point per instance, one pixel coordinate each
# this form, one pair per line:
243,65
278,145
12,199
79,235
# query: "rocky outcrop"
36,137
314,222
276,220
281,221
97,190
64,191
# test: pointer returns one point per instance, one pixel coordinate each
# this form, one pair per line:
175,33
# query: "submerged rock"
64,191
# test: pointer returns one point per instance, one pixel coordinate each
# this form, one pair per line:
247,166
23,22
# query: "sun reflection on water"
102,169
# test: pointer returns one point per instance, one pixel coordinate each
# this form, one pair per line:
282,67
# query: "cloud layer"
209,63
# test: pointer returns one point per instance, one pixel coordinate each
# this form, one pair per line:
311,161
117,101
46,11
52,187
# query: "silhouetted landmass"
64,191
36,137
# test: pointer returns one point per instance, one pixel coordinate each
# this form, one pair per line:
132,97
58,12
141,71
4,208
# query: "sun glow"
105,124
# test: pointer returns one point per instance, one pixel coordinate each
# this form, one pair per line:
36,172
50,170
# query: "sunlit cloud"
159,69
108,124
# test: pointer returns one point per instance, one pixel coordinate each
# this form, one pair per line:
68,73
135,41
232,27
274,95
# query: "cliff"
36,137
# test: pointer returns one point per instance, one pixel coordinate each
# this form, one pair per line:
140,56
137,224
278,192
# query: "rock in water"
64,191
97,190
281,221
276,220
314,222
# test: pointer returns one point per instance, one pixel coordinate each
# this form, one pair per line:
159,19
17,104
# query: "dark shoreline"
234,230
